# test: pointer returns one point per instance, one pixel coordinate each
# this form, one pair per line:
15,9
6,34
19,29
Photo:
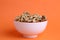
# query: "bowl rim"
30,23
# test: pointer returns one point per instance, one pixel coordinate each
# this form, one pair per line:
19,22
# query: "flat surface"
9,9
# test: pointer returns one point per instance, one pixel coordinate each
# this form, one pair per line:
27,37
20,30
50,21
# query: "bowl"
30,30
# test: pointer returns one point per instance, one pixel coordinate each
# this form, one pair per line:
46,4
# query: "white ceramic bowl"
30,30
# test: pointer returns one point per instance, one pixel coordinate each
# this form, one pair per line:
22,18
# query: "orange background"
9,9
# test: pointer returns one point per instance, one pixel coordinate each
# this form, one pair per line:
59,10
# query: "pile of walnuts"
26,17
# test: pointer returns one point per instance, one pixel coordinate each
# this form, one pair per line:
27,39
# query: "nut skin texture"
26,17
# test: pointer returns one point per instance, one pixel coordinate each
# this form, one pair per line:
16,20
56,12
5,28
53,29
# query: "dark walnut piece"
43,18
